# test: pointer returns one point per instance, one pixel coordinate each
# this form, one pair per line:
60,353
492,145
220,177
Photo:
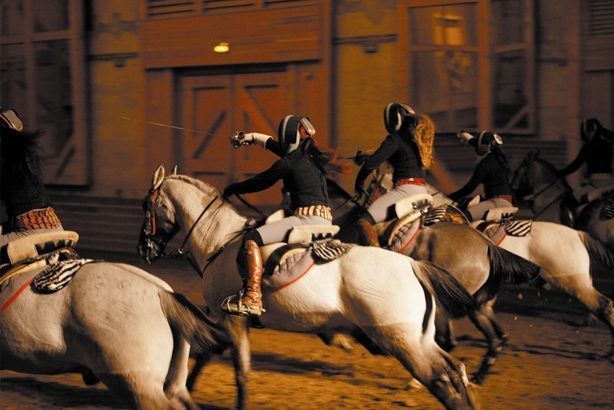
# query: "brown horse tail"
597,251
191,322
446,289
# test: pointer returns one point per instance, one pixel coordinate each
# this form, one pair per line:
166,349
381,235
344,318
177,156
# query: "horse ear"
175,170
158,177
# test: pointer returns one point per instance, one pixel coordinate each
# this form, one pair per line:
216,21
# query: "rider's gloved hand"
230,190
360,157
464,136
240,138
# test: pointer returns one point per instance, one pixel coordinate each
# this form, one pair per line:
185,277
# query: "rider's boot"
368,234
249,299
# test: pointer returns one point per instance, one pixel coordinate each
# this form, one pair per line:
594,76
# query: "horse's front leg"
238,331
201,360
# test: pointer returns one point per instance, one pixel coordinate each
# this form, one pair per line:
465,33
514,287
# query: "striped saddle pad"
57,275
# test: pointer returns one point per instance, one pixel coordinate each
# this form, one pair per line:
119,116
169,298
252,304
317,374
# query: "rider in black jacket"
27,204
301,167
408,148
596,153
493,171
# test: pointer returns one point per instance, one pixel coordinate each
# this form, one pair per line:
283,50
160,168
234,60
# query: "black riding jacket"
597,154
302,178
402,154
21,191
490,172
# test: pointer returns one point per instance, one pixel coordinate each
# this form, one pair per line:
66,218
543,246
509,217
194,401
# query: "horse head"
159,224
523,182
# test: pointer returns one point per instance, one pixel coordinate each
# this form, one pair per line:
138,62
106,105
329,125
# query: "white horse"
113,323
567,257
385,296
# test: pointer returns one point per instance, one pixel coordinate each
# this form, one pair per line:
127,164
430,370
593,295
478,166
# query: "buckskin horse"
385,296
480,266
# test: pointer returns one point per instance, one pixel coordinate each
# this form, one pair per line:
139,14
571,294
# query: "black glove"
230,190
360,157
359,191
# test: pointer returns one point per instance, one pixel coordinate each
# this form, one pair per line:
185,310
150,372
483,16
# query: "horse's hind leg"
492,331
142,390
601,306
443,331
175,386
201,360
442,374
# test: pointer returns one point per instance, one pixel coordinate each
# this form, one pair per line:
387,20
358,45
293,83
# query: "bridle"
151,225
155,246
532,197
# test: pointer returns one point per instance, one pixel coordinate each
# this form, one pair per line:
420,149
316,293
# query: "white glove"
464,137
258,138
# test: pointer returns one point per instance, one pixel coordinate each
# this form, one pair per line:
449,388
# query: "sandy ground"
552,361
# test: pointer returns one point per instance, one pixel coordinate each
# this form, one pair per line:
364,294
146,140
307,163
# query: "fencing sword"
175,127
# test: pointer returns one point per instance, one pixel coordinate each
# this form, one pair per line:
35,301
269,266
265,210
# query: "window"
42,77
466,71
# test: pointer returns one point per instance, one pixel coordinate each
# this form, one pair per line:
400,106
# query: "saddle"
286,262
33,247
497,230
45,261
407,211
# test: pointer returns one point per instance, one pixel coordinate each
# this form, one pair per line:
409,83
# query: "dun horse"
386,296
475,261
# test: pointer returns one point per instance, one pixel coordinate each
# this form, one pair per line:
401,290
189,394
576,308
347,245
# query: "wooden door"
216,106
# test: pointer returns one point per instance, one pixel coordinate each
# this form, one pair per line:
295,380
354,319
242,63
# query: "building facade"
122,86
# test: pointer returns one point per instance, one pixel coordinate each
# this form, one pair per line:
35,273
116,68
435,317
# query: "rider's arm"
263,180
471,185
386,149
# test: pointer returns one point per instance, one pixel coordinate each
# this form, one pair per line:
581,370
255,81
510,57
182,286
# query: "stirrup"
234,305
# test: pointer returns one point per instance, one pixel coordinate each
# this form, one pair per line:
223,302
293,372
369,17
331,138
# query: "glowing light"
222,47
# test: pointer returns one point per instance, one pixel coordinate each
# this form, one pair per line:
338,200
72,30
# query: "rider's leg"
249,261
368,234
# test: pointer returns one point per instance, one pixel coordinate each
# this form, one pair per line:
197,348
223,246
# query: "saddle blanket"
288,263
497,231
40,277
57,276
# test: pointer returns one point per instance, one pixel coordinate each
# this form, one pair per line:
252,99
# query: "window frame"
487,51
70,165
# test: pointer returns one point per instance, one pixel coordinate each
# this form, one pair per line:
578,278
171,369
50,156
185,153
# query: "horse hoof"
414,384
89,378
343,342
477,379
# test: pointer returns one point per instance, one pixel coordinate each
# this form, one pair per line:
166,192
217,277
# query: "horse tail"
507,267
190,321
446,289
597,251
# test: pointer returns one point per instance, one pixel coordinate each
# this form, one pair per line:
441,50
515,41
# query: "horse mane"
202,186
